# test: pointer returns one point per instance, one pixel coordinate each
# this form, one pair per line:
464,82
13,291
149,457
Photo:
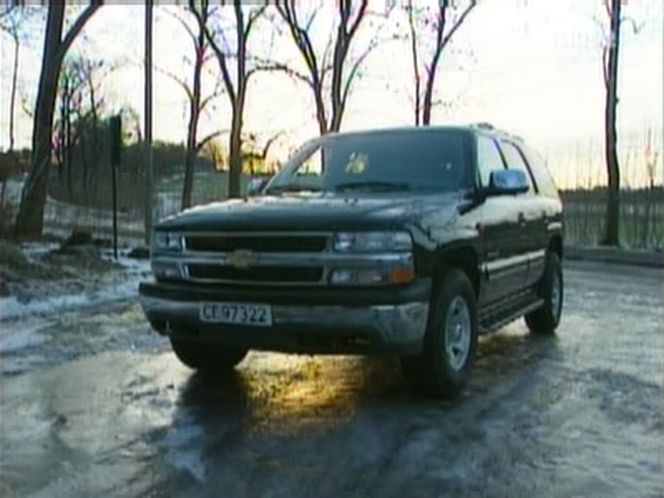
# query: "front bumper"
375,321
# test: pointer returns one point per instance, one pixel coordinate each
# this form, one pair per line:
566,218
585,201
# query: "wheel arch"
556,245
463,258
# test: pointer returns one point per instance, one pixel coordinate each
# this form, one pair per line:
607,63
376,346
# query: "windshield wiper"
373,186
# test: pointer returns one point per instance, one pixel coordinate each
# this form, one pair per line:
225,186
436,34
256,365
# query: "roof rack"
483,125
490,127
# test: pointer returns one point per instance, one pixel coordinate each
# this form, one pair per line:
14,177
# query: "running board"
486,328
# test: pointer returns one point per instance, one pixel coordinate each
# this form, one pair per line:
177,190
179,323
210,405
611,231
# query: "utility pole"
149,168
115,126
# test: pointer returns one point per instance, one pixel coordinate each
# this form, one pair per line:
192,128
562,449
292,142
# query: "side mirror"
256,185
507,182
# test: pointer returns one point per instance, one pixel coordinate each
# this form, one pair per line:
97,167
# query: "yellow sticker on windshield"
357,163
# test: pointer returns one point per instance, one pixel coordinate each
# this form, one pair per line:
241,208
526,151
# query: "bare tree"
610,50
333,61
610,69
259,147
10,24
77,124
14,22
196,101
30,218
427,23
227,52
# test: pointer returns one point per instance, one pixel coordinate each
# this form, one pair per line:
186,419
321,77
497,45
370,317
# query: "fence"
641,217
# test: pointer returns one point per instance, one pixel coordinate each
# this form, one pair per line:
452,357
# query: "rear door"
503,266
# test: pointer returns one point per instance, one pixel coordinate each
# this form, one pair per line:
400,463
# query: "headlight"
167,271
372,241
166,241
379,276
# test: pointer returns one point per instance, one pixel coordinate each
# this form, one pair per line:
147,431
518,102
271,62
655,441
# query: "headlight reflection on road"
288,393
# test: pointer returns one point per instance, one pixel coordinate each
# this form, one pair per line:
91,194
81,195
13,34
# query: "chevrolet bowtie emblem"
242,259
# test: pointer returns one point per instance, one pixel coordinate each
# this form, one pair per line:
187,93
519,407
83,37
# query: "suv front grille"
254,258
258,274
257,243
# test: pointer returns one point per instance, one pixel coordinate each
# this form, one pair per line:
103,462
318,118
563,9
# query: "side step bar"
492,323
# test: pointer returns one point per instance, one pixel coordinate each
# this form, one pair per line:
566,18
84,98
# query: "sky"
532,67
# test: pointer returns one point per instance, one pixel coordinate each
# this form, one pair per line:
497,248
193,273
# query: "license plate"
259,315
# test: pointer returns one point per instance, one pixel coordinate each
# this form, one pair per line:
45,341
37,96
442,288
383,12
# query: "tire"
448,352
207,358
544,320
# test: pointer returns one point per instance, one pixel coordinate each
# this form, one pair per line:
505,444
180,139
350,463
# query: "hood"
321,211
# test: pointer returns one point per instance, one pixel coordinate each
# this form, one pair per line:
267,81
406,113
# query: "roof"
483,127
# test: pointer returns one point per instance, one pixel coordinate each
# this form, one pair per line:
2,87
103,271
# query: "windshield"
390,161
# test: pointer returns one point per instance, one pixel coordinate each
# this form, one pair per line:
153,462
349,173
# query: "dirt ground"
97,405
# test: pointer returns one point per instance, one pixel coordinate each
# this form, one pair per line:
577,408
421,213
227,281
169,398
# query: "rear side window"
488,159
542,176
515,160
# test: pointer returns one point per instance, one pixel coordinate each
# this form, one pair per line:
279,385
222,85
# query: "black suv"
408,241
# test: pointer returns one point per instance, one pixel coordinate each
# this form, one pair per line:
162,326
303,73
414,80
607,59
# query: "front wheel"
443,366
207,358
544,320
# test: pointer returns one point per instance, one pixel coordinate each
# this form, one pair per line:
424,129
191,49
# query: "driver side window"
313,165
488,159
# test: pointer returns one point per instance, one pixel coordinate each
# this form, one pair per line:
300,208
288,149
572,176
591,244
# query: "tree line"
68,112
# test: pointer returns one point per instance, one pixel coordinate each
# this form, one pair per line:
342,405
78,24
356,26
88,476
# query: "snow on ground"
24,336
21,321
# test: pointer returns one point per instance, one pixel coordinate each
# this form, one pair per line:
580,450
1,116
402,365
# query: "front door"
504,262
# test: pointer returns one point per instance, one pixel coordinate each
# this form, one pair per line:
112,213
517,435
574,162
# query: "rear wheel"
544,320
443,366
207,358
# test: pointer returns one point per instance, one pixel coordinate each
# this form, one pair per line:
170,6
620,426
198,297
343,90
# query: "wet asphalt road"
100,407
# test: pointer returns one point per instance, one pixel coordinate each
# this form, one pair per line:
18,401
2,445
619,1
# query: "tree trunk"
192,131
68,146
416,71
235,153
428,92
188,185
30,217
612,222
149,153
320,109
96,159
12,98
29,221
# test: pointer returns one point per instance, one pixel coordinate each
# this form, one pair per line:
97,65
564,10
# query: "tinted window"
416,160
515,161
488,159
542,176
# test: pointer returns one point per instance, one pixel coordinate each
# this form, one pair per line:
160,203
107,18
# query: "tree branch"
221,59
269,143
208,99
605,65
178,80
253,15
358,19
268,66
183,23
77,27
635,26
202,143
353,71
459,22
